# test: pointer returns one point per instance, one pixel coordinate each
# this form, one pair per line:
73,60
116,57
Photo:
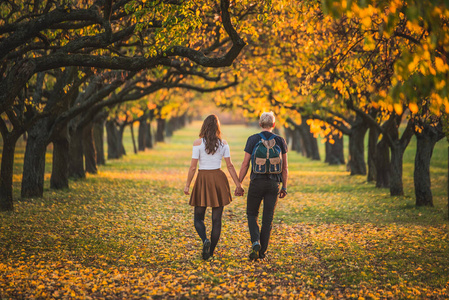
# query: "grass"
128,232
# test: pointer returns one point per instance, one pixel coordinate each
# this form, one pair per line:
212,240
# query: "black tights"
217,212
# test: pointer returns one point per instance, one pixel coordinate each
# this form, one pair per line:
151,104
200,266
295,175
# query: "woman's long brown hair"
211,133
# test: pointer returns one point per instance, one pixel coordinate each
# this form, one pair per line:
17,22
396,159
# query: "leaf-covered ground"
128,233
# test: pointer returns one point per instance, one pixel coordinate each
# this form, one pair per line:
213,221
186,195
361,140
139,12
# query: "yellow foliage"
366,21
440,85
383,93
413,107
390,107
440,65
398,108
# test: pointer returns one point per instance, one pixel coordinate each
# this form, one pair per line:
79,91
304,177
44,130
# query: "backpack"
266,156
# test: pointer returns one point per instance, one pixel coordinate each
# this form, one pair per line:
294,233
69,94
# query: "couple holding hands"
211,188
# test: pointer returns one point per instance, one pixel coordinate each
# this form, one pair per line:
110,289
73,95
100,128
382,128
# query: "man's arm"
245,166
284,174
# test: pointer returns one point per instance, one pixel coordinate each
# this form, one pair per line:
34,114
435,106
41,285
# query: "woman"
211,187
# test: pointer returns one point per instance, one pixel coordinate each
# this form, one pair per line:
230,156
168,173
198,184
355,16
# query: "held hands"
239,191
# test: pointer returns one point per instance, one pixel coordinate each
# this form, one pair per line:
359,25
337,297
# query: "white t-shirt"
210,161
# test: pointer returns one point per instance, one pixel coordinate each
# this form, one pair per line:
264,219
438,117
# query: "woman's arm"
190,175
232,172
193,164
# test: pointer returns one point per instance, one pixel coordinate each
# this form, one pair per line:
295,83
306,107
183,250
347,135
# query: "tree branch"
223,61
30,29
206,90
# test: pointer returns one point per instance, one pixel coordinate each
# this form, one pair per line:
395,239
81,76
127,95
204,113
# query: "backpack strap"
267,139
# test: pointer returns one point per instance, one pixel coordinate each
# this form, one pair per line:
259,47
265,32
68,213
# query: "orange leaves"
338,85
398,108
128,233
440,65
413,107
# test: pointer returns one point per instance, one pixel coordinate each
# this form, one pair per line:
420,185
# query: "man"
263,187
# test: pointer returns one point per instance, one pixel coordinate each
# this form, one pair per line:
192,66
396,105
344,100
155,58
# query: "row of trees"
66,67
355,68
333,67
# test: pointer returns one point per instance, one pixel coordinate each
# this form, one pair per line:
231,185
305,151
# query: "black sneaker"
262,255
254,251
206,249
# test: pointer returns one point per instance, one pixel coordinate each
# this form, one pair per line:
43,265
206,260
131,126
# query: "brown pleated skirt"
211,189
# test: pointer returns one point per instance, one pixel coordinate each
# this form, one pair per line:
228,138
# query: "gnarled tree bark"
90,156
98,141
60,167
34,161
6,171
76,157
160,130
334,151
373,137
426,140
356,162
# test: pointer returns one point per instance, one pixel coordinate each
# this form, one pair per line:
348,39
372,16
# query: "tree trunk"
310,142
98,141
334,152
339,149
120,145
76,158
111,136
306,137
60,166
160,130
383,164
426,140
34,161
397,148
396,186
298,142
306,143
356,161
170,127
288,136
6,172
372,153
133,138
421,174
149,139
90,157
315,150
295,138
142,134
182,121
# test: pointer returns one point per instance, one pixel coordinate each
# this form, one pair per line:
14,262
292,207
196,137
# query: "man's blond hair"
267,120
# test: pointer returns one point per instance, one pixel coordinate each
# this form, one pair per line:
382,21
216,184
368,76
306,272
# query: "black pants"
266,190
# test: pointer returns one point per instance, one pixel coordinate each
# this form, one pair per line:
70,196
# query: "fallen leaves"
132,237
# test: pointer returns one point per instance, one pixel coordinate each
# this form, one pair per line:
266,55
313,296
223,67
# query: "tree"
49,37
420,69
